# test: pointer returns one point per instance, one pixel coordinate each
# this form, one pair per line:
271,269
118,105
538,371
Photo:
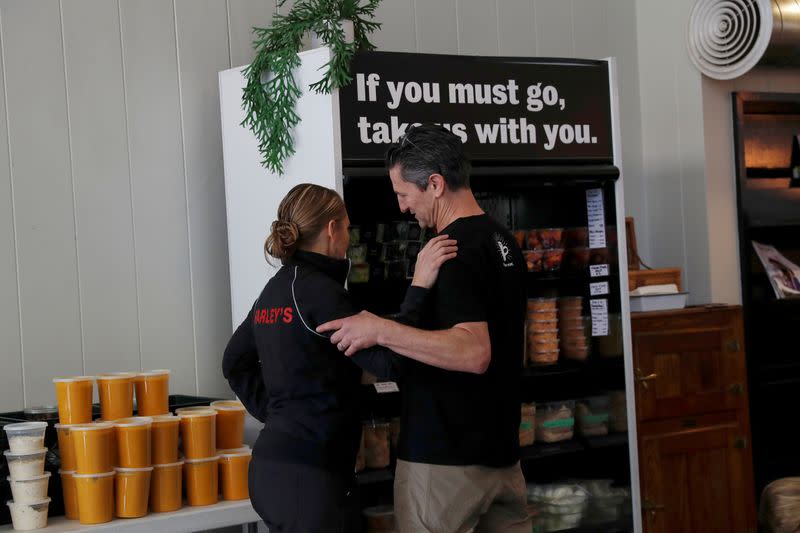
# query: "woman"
293,378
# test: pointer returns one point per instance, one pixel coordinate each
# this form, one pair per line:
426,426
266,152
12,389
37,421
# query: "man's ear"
436,181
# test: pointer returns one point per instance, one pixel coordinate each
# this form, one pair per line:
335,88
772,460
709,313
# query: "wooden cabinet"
692,417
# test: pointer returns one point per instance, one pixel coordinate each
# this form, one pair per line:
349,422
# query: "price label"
386,386
597,218
598,271
599,313
599,288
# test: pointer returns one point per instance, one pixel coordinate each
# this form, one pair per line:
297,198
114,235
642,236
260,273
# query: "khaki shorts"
459,499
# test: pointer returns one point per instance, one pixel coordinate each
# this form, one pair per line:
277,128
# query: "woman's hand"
435,253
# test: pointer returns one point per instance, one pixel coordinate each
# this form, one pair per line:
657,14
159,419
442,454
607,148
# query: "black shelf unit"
769,213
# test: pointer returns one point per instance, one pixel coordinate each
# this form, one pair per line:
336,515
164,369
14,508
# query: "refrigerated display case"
543,138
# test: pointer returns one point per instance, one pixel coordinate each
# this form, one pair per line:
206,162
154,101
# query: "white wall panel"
43,196
517,35
101,177
398,32
477,27
589,29
202,52
11,377
158,189
437,27
243,15
552,21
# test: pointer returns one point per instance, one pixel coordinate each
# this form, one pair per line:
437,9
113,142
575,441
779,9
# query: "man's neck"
458,204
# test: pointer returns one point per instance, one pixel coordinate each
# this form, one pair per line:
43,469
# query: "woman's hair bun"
283,239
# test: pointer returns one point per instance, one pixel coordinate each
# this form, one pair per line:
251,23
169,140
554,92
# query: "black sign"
504,109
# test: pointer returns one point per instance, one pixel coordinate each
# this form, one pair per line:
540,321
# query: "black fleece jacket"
293,378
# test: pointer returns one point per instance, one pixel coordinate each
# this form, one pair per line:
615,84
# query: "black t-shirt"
459,418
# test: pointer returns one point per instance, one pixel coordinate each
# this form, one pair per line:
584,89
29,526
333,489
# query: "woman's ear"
331,228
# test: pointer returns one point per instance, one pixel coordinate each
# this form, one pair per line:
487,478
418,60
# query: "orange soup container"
133,441
95,497
233,467
70,494
165,487
74,397
92,446
152,392
132,489
164,438
230,423
66,448
116,394
198,432
202,481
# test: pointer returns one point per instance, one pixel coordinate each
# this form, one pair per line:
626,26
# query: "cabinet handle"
736,389
734,346
639,377
652,507
740,443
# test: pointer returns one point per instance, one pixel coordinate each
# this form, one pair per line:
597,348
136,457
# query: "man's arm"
464,347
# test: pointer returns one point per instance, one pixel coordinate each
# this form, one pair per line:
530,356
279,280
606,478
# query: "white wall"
111,184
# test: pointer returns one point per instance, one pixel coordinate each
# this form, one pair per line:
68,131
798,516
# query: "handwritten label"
386,386
599,313
597,218
599,288
598,271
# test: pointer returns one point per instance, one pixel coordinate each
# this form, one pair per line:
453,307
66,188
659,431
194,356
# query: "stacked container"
573,327
94,472
199,438
167,478
542,331
27,477
134,457
234,458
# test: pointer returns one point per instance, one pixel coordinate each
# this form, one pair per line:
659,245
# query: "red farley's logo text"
272,315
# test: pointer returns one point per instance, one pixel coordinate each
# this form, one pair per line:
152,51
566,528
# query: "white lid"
66,426
158,372
115,375
169,465
104,474
10,454
227,405
72,379
24,427
27,479
192,411
232,450
133,421
93,426
158,419
201,460
239,453
121,470
31,504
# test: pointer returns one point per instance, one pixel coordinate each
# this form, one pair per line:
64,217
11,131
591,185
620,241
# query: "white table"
185,520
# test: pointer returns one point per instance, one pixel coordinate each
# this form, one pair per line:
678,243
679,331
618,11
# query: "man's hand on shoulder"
355,332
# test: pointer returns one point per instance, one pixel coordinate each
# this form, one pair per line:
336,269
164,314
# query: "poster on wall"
513,110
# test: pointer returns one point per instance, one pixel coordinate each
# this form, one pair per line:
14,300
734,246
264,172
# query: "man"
458,450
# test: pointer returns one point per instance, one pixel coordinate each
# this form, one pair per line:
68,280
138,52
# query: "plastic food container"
576,237
41,413
92,445
591,416
521,237
233,467
545,239
542,346
575,348
70,494
376,444
29,490
133,442
230,423
74,397
165,487
164,438
541,334
555,421
25,436
379,518
66,448
25,465
152,392
541,304
116,394
576,259
132,489
202,481
199,433
95,497
31,515
534,260
527,425
552,259
559,498
570,302
543,358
